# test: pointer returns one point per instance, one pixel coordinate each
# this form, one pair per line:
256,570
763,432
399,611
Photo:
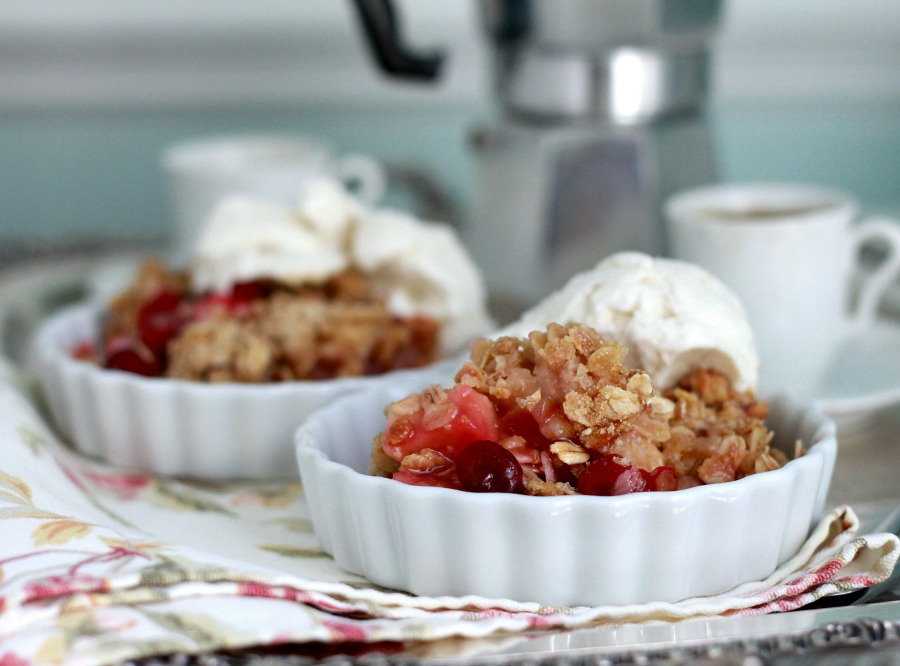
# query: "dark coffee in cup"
759,213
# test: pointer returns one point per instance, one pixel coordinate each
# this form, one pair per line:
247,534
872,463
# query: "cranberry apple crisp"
260,331
558,413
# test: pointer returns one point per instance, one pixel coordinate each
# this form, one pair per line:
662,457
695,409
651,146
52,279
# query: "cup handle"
364,175
875,285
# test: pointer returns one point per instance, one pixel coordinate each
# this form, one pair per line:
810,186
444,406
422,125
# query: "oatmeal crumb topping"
339,328
560,401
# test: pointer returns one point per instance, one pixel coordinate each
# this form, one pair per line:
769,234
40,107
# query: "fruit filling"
559,413
259,331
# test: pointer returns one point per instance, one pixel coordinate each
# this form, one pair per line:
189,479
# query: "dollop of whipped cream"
421,267
671,315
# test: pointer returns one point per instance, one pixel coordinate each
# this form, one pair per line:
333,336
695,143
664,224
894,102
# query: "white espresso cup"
202,172
790,253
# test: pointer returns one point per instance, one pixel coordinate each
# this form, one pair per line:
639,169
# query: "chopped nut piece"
424,461
569,452
536,486
640,384
662,407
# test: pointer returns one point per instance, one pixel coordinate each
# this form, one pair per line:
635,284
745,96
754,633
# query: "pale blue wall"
84,176
856,149
76,177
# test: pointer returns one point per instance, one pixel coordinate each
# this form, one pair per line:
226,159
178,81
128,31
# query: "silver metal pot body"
602,119
549,202
625,61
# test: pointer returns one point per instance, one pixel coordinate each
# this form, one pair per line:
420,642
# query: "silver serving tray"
860,634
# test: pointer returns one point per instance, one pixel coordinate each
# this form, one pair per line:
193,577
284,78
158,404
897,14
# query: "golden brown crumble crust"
578,385
340,328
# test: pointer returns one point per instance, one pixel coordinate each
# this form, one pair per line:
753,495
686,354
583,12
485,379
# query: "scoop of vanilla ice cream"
246,239
671,315
424,269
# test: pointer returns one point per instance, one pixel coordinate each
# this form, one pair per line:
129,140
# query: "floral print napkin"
99,565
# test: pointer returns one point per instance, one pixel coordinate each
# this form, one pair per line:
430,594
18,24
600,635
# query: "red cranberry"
136,359
662,478
244,292
521,422
159,320
486,467
165,300
611,475
235,302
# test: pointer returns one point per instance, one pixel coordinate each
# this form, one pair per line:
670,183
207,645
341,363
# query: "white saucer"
862,373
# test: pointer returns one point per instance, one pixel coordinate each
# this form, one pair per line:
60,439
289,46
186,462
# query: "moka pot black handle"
382,30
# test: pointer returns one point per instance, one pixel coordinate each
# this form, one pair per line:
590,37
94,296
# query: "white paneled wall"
89,53
158,53
810,51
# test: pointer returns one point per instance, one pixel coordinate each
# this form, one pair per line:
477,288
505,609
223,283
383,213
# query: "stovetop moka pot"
601,119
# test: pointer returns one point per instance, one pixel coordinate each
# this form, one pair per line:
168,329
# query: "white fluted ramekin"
176,427
558,551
